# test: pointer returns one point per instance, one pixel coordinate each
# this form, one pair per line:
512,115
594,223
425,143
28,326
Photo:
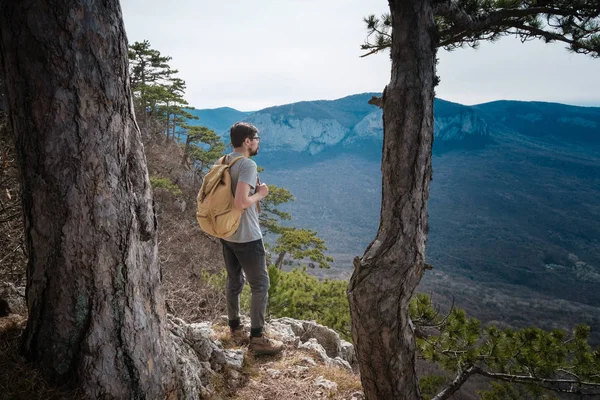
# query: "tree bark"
96,307
280,258
385,277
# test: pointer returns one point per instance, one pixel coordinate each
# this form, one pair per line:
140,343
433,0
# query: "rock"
283,332
313,346
198,336
298,371
296,326
330,386
341,363
274,373
308,361
234,359
234,378
326,337
192,374
305,330
298,134
359,395
348,354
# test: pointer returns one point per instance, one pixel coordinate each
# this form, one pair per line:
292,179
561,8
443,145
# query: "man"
244,252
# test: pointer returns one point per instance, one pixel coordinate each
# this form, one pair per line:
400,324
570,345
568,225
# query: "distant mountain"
217,119
514,205
549,121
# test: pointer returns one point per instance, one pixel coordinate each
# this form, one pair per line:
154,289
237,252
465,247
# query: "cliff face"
298,135
319,128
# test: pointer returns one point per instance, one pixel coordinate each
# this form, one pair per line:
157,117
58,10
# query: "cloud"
254,54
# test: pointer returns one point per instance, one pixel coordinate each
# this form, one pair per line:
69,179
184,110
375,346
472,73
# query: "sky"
250,55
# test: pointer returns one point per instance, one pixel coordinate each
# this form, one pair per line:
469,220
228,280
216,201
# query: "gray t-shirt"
244,170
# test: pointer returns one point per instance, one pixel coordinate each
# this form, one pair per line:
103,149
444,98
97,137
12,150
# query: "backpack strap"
225,160
231,162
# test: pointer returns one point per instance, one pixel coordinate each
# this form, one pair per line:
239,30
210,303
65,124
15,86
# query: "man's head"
245,136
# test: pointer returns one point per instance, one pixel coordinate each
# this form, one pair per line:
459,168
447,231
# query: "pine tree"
386,276
149,74
271,217
537,360
96,310
202,147
301,244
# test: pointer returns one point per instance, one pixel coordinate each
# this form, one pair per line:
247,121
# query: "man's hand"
262,190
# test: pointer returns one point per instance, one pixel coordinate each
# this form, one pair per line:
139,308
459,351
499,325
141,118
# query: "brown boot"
264,345
239,336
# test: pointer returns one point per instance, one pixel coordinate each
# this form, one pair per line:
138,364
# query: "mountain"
514,210
217,119
561,123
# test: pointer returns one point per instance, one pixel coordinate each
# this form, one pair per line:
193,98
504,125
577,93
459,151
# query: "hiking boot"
264,345
239,335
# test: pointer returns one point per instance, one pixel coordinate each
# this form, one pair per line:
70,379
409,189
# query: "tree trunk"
385,277
167,127
174,125
186,150
96,307
280,258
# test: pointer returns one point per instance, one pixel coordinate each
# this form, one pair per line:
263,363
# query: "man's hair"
240,131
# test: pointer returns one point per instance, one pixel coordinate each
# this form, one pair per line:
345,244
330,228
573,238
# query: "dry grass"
12,253
288,376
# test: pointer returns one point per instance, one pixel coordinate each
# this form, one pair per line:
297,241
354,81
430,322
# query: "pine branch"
548,383
466,28
456,384
576,45
374,49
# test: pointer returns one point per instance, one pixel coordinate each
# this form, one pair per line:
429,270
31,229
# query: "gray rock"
313,346
283,332
348,354
296,326
192,374
359,395
328,385
341,363
308,361
234,359
326,337
274,373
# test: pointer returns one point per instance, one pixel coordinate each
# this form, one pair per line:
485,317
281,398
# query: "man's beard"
253,153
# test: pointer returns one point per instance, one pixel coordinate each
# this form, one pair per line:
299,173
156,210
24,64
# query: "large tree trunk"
386,276
96,309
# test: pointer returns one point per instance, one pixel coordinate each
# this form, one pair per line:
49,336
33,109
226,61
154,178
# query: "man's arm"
242,198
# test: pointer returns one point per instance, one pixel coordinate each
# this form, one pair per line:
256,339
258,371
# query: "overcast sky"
254,54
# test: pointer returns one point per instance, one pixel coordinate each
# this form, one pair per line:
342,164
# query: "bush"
165,183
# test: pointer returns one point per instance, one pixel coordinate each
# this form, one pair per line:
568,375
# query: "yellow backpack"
216,214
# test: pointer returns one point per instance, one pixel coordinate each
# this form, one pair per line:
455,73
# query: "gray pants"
250,259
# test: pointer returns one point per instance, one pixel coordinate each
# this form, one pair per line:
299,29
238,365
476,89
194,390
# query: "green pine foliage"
507,391
271,216
468,22
165,183
156,90
296,294
202,147
301,244
532,357
430,385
